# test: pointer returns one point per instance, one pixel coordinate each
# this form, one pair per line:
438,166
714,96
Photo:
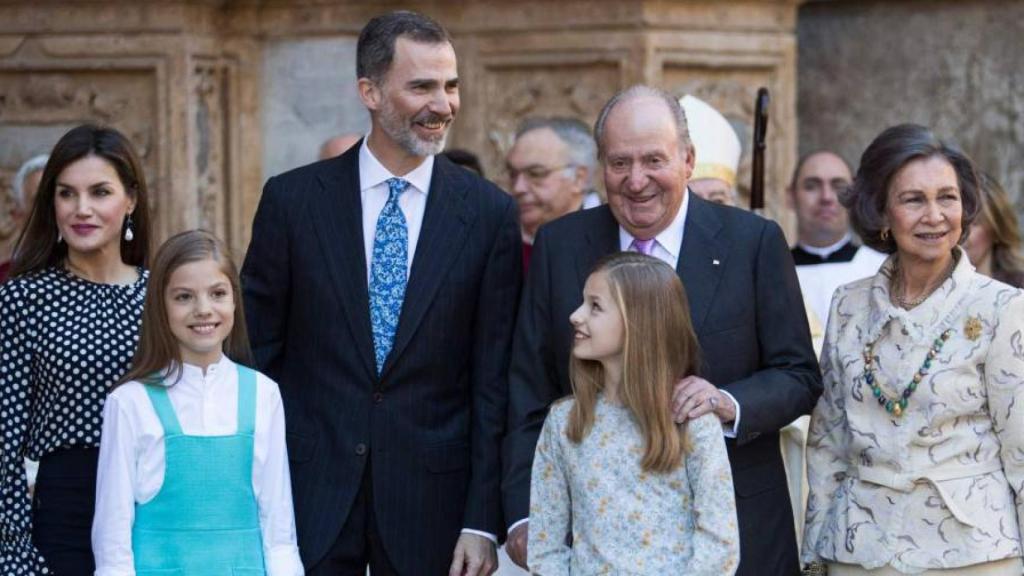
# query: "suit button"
360,449
378,397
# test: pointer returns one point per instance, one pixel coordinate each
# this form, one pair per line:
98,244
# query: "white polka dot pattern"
63,342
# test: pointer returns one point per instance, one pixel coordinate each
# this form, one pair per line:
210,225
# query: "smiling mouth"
931,236
642,199
580,335
204,329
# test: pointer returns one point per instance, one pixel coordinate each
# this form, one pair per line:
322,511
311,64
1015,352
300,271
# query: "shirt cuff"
487,535
731,431
516,525
284,561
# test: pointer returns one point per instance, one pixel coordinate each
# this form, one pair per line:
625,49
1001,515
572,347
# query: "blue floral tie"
388,272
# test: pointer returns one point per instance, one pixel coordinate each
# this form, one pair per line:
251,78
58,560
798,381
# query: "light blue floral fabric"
623,520
388,272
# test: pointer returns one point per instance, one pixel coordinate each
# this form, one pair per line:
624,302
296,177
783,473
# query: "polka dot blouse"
63,342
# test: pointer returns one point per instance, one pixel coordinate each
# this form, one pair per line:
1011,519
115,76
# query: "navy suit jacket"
749,317
430,426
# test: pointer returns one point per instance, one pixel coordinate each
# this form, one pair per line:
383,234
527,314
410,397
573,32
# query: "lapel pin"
715,262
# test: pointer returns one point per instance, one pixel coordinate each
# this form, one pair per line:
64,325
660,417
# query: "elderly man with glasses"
550,170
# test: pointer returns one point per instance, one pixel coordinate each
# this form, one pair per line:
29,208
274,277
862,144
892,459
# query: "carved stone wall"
953,65
199,86
162,73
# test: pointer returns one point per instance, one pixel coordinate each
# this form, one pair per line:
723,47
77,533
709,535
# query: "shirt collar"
372,173
193,373
671,238
825,252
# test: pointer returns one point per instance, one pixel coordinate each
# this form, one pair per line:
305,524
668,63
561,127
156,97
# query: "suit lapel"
602,239
446,222
336,214
702,258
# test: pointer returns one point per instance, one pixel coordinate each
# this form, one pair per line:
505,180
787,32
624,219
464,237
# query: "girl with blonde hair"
613,474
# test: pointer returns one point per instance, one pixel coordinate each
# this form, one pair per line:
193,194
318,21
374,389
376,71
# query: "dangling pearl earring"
129,234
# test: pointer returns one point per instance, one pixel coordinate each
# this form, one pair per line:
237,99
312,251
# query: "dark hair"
37,247
998,214
158,348
643,91
890,151
376,47
465,158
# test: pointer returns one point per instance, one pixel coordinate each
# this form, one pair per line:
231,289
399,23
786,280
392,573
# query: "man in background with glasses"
550,169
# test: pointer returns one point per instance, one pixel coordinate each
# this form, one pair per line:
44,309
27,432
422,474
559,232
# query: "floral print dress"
623,520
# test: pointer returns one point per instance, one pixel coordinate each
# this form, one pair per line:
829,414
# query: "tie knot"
644,247
395,188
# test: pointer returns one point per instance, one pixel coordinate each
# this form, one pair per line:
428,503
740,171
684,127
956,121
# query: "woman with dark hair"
913,454
994,243
69,325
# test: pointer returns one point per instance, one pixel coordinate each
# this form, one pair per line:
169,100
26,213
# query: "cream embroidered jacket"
940,486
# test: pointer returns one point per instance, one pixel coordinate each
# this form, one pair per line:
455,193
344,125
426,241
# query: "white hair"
34,164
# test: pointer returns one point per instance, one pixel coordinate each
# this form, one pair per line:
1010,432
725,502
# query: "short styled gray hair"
643,91
576,136
33,164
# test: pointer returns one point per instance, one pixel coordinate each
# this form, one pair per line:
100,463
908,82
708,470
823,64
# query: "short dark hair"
37,247
890,151
376,47
803,160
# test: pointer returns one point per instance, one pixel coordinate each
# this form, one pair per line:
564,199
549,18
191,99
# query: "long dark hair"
158,348
37,247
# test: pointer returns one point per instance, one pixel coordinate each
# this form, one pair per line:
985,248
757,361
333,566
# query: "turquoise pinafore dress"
204,521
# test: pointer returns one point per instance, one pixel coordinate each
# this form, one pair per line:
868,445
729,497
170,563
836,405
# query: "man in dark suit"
381,290
759,372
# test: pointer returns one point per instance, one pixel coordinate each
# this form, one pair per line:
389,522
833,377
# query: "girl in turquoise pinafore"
193,470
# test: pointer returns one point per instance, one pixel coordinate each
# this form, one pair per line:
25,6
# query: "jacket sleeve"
551,511
17,554
533,383
716,536
266,281
827,442
493,325
787,383
1004,380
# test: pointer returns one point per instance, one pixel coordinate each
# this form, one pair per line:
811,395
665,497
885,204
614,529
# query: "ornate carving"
518,91
210,152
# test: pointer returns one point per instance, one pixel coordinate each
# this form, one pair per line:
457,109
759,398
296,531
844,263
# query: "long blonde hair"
659,348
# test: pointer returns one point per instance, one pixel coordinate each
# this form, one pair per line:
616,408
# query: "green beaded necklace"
896,406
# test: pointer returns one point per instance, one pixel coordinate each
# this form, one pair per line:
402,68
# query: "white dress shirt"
131,461
374,192
373,177
667,246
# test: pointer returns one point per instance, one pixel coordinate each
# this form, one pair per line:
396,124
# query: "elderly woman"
915,454
994,243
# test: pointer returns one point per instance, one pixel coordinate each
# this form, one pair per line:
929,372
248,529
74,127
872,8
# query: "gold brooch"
972,328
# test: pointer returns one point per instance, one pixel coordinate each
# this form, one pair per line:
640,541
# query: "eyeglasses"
534,174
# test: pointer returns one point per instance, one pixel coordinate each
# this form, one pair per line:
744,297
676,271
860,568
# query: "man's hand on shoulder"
694,397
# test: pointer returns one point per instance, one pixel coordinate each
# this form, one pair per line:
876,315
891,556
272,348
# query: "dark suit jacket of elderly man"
430,426
749,317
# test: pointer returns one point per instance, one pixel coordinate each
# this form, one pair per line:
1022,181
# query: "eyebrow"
93,187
